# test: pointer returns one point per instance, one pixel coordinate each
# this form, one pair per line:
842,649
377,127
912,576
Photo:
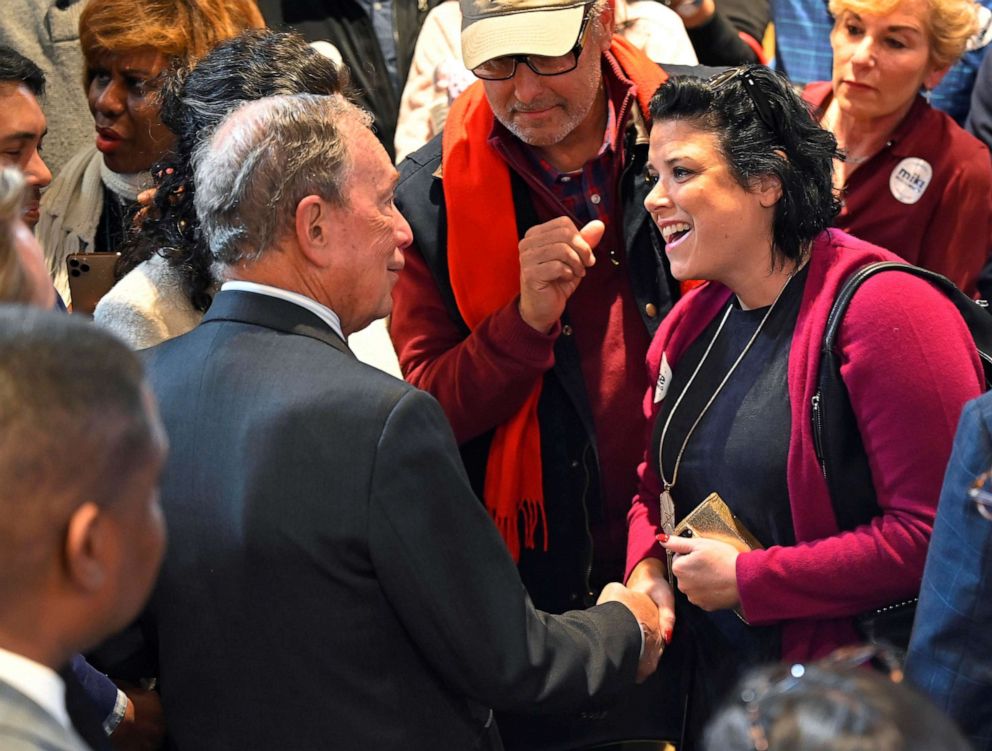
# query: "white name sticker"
664,379
909,179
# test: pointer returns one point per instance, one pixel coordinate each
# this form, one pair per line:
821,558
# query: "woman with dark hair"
743,198
167,284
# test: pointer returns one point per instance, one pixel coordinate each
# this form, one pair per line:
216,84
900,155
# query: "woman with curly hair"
167,284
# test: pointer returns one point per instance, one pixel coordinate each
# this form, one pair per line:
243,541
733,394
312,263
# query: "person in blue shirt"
950,651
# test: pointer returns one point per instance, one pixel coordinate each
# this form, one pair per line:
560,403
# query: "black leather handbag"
890,626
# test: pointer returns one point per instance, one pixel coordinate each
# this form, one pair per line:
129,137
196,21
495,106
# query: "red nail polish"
667,636
662,537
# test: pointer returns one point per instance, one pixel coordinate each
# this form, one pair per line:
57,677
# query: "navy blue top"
739,450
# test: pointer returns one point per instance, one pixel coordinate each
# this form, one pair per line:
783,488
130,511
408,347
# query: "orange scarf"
484,266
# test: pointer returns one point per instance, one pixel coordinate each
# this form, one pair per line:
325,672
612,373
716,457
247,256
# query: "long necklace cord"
667,504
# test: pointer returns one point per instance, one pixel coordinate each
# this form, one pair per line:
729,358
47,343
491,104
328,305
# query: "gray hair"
11,195
14,286
265,157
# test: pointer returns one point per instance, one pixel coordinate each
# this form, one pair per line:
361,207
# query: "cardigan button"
651,310
566,330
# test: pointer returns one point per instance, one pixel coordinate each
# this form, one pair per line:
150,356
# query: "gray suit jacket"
331,581
25,726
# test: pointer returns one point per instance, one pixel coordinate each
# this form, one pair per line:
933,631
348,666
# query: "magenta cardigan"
909,364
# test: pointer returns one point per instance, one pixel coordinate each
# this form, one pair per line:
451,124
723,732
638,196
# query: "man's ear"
312,229
85,547
607,23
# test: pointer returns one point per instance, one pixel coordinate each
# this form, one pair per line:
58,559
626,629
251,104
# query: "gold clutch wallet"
714,520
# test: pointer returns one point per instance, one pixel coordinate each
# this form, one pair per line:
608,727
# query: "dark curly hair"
252,66
763,128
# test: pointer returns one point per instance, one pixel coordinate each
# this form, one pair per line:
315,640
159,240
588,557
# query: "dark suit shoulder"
231,360
426,411
422,163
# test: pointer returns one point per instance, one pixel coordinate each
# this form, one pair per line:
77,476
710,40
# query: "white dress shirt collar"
39,683
324,313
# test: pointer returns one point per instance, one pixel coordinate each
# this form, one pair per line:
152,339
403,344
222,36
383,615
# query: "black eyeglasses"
505,67
981,493
754,92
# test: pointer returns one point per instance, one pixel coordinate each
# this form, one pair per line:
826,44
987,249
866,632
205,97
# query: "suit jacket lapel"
273,313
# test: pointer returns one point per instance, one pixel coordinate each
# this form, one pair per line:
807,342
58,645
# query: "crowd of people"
470,357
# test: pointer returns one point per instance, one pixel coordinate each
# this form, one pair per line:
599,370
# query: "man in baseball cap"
532,289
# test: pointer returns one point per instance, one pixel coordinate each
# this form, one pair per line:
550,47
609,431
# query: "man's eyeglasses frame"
542,65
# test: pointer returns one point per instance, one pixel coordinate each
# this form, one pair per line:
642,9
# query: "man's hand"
143,726
706,571
553,259
649,577
646,613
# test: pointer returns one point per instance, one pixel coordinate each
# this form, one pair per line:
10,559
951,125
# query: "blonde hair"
183,29
14,287
949,23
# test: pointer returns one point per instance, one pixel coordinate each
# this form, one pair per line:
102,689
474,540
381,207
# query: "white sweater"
147,306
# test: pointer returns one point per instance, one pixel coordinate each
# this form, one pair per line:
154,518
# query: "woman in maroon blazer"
912,180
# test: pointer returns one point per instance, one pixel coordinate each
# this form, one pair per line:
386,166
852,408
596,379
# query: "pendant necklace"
666,501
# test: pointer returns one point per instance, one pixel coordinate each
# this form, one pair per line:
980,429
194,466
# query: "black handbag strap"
837,440
973,312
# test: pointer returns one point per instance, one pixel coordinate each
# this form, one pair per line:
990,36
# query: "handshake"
650,599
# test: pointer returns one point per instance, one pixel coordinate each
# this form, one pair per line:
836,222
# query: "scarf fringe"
531,512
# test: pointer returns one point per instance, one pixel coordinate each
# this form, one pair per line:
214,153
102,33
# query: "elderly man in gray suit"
81,533
332,581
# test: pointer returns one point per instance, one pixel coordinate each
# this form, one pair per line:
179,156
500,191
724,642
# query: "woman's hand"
145,199
650,578
706,571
